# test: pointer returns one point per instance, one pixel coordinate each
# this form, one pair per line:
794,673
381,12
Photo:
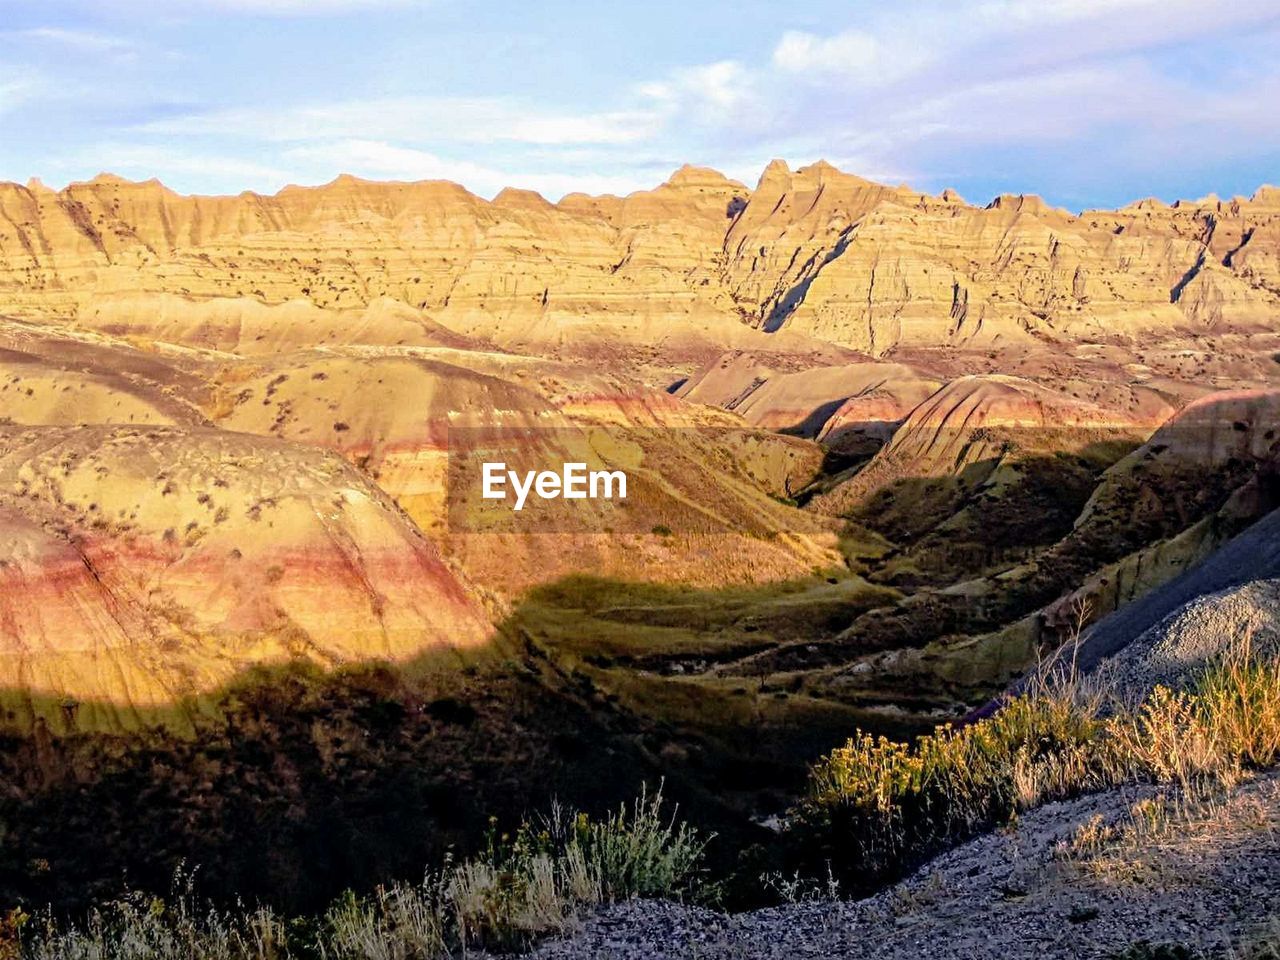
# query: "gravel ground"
1205,884
1253,555
1194,635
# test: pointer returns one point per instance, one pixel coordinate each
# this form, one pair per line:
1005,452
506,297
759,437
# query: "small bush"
522,887
1240,704
876,808
140,927
1229,720
397,923
635,852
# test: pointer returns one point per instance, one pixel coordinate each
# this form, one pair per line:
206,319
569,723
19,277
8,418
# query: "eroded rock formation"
225,421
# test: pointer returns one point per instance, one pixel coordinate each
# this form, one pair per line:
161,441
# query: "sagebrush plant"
1228,721
522,886
876,807
635,852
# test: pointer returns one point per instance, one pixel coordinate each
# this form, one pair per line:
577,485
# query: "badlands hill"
885,447
914,364
699,263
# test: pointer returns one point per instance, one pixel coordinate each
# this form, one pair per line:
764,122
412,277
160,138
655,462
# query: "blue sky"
1087,102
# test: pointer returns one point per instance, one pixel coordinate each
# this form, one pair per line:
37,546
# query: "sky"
1089,103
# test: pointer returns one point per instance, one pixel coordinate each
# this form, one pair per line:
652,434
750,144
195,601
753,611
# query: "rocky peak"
1146,205
777,175
1021,202
702,178
1267,196
517,199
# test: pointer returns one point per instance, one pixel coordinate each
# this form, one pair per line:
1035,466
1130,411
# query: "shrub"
521,887
876,808
1229,720
397,923
141,927
1240,703
636,852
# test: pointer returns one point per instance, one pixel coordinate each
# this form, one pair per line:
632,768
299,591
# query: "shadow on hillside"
291,784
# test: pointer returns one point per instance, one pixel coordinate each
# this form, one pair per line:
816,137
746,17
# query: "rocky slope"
880,442
146,565
1246,617
1201,890
698,263
852,407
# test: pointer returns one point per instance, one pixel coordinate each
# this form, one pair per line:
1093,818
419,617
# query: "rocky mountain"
699,262
883,447
874,342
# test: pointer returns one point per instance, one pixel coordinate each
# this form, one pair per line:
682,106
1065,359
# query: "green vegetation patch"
875,807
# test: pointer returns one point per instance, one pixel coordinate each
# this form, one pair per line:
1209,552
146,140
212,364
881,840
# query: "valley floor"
1200,880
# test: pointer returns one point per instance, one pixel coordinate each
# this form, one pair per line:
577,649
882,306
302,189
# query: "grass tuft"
876,808
523,886
141,927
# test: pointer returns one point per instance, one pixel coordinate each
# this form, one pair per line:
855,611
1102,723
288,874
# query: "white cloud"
1039,14
293,7
269,8
17,90
229,174
916,93
438,119
381,160
11,94
709,98
854,55
85,41
969,42
722,85
906,89
798,51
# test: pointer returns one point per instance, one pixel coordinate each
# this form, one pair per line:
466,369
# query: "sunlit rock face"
815,252
225,421
147,564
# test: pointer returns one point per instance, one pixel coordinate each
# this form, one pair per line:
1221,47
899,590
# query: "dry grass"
1174,819
522,887
141,927
876,807
1228,721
